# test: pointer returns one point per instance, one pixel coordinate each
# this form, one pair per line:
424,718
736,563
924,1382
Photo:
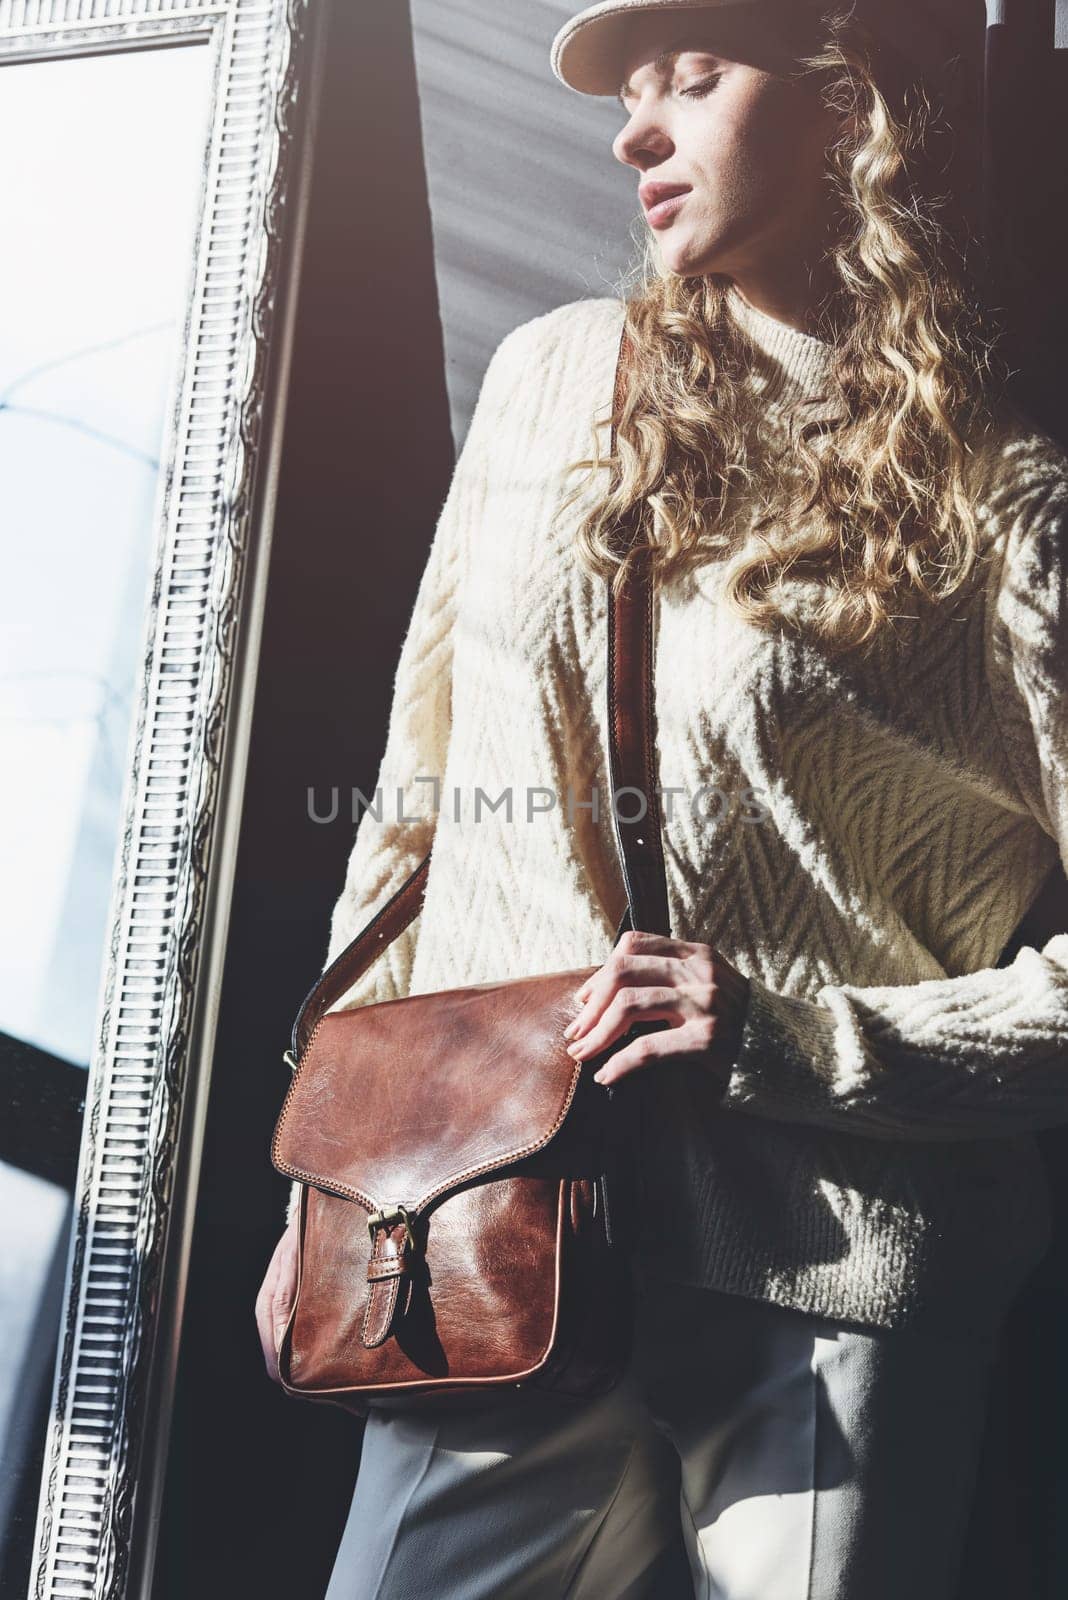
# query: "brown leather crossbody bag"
458,1232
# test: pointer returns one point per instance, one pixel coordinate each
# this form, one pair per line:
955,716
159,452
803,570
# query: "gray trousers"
752,1453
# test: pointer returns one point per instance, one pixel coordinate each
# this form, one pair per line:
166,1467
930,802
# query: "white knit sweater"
873,1157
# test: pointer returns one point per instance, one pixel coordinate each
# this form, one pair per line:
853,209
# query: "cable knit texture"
878,831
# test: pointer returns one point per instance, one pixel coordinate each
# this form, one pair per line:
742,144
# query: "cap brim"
587,53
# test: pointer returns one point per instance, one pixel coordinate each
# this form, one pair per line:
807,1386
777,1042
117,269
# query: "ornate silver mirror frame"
148,1076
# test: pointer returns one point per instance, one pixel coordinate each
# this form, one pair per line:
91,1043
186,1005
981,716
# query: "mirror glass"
102,160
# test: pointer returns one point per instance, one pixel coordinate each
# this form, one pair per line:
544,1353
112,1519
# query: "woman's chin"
686,257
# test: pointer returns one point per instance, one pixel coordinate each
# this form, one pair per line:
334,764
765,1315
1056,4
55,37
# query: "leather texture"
430,1091
636,813
456,1224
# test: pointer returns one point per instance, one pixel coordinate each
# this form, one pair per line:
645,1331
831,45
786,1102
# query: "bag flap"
401,1100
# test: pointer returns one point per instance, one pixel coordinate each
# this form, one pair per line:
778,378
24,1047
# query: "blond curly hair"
873,507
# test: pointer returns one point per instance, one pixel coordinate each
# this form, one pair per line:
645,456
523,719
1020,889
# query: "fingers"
286,1289
627,1005
649,1050
274,1301
628,970
264,1303
265,1330
636,943
621,968
683,983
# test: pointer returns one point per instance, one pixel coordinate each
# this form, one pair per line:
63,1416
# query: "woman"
862,742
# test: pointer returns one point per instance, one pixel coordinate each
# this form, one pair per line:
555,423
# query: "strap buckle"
290,1060
388,1217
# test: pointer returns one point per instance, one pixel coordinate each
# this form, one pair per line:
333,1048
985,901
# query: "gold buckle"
388,1217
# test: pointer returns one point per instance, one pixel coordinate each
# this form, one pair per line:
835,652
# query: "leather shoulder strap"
632,743
632,767
632,723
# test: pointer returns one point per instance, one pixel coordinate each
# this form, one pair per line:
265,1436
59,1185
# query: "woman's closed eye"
697,90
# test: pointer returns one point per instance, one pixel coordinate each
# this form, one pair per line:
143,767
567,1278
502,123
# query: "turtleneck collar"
789,365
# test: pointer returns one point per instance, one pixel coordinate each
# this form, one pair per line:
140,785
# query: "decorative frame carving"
147,1085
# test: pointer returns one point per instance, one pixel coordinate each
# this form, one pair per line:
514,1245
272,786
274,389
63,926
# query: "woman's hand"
649,977
275,1299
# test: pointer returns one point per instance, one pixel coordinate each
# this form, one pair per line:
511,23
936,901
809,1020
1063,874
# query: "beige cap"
939,40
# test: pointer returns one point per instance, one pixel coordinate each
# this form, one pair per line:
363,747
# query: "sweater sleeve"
985,1053
397,829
